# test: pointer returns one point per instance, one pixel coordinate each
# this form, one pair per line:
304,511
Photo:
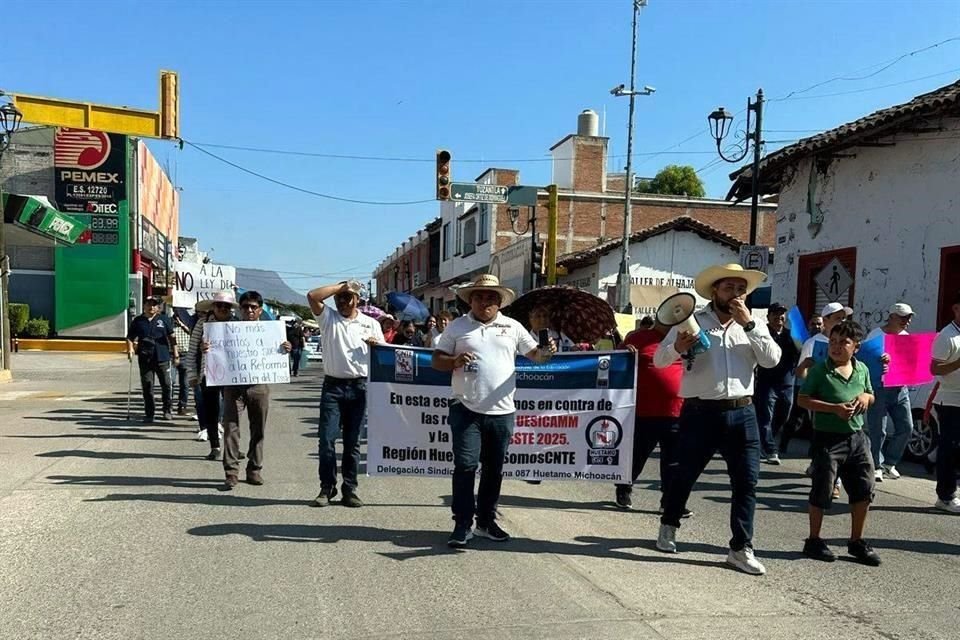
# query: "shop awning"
37,214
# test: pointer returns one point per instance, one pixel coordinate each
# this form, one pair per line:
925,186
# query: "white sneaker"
667,539
201,434
220,429
950,506
878,475
890,471
745,561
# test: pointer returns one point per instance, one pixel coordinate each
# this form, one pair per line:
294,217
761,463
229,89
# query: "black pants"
148,369
647,434
209,413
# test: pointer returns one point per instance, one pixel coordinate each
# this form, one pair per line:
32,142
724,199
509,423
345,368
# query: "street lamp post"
623,276
720,121
10,118
532,225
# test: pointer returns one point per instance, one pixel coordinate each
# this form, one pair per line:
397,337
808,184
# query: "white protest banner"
196,281
574,417
246,353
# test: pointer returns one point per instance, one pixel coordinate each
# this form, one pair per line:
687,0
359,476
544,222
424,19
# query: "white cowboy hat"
220,296
486,282
703,283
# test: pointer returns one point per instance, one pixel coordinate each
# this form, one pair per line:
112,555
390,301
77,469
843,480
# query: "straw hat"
221,296
704,281
486,282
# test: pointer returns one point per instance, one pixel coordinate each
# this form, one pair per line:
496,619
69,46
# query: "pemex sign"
196,281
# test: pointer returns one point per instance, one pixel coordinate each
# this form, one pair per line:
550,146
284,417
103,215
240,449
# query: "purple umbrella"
372,311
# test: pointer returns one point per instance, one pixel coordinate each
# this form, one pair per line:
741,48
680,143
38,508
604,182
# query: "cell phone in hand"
543,338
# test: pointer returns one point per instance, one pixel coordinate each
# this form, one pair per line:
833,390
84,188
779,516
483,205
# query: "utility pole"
623,276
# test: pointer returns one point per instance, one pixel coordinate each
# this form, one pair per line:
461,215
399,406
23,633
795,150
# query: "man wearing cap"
151,338
347,336
718,413
888,448
774,393
945,364
480,349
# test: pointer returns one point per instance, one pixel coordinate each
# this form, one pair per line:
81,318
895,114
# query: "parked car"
314,349
925,427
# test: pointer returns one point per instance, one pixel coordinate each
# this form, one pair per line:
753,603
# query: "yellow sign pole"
552,234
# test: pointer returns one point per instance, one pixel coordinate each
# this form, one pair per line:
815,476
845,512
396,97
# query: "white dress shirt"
725,370
346,353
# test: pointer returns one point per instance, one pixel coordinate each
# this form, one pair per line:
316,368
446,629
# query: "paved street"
111,529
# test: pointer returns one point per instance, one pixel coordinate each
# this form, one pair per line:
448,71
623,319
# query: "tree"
674,179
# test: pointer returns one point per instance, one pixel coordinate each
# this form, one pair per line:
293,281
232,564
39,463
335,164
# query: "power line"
885,66
335,156
866,89
318,194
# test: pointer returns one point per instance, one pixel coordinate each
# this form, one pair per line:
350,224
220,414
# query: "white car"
314,349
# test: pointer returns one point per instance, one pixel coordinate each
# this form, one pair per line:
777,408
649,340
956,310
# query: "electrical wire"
318,194
866,89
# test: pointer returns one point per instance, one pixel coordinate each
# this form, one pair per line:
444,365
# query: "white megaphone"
678,311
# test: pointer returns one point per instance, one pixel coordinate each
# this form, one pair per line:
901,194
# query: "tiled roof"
943,101
680,223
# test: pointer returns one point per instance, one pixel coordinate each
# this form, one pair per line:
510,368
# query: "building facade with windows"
869,212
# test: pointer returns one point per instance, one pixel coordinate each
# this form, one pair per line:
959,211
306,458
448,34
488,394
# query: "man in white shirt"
717,412
945,364
480,349
887,449
347,335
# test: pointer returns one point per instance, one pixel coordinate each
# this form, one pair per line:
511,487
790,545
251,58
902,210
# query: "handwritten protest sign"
909,359
574,417
246,353
196,281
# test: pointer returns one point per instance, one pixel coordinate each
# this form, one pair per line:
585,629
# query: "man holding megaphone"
717,413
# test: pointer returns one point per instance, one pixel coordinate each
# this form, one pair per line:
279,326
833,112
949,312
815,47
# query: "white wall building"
664,260
879,199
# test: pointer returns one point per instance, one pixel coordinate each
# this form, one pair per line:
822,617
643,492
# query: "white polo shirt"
806,351
946,348
495,346
346,353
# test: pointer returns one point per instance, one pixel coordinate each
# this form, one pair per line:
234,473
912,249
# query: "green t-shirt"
825,384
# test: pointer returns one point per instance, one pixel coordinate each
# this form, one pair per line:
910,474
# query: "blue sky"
495,82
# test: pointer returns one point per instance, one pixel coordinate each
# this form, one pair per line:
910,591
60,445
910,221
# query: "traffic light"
443,174
537,265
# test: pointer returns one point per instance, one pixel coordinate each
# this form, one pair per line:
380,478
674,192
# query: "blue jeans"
183,389
342,404
295,361
734,433
894,402
947,446
478,439
773,408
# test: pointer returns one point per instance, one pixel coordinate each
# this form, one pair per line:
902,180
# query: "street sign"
472,192
522,196
755,257
834,280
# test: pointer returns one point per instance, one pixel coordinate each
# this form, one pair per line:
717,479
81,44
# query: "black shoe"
623,498
493,532
460,537
351,499
214,454
863,552
325,496
148,420
817,549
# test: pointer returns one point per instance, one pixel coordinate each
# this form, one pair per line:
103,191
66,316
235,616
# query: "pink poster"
909,359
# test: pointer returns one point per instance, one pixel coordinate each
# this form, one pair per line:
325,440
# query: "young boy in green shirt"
838,392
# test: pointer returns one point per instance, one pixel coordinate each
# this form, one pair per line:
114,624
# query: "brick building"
476,238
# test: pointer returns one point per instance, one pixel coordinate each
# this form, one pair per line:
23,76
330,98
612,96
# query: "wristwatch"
750,326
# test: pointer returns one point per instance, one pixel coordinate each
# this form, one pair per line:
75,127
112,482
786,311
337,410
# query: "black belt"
336,379
719,405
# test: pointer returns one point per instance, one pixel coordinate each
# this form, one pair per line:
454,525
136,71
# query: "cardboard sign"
243,353
196,281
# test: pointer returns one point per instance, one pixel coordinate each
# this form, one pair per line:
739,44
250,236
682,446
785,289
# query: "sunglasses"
249,307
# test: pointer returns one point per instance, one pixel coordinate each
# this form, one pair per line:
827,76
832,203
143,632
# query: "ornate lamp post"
10,119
